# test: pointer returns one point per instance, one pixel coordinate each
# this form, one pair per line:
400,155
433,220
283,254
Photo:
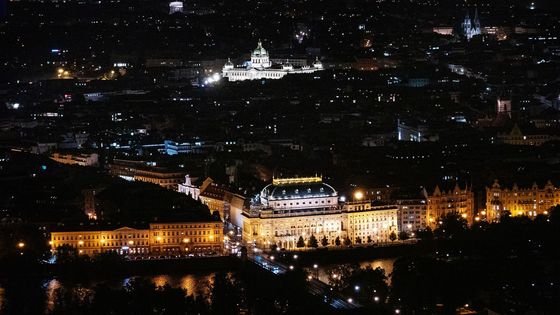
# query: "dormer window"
283,192
322,189
297,191
308,190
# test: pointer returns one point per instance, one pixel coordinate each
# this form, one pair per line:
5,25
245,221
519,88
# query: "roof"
259,51
294,189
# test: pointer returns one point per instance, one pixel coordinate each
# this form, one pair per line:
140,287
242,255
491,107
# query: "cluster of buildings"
292,208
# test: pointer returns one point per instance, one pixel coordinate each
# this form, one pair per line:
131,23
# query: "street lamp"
21,245
358,195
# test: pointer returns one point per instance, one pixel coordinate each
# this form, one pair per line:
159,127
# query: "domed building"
297,194
290,208
260,67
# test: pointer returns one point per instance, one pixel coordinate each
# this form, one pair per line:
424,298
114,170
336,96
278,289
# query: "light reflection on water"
193,284
385,264
50,287
1,299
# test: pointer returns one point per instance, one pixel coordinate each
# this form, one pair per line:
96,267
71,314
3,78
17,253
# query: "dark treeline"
510,267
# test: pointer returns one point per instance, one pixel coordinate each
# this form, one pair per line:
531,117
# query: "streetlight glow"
358,195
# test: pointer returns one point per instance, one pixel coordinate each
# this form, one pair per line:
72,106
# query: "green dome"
260,51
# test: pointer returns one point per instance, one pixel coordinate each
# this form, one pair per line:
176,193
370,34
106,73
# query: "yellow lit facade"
520,201
376,222
159,238
440,203
292,208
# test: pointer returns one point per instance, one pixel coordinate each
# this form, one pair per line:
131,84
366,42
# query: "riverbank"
123,268
354,254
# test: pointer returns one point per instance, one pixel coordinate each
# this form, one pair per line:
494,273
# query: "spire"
476,19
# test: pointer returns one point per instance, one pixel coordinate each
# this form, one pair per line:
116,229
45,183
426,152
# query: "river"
40,294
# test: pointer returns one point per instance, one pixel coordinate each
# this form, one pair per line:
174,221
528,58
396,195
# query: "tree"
313,242
273,247
347,241
392,236
403,236
369,240
66,254
425,235
452,225
358,240
300,242
223,292
324,241
365,281
337,241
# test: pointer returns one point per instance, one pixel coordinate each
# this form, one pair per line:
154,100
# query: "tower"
472,27
467,26
503,106
476,24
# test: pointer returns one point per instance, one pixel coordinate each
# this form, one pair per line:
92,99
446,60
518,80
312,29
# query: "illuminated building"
443,30
76,159
525,137
520,201
216,198
472,27
260,67
412,215
290,208
157,238
364,220
503,106
188,188
175,7
143,172
441,203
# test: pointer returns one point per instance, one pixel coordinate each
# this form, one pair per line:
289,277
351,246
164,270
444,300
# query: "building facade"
412,215
156,239
141,171
518,137
520,201
216,198
81,159
441,203
261,67
290,208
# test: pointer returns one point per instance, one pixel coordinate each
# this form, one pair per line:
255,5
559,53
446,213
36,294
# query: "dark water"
35,296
